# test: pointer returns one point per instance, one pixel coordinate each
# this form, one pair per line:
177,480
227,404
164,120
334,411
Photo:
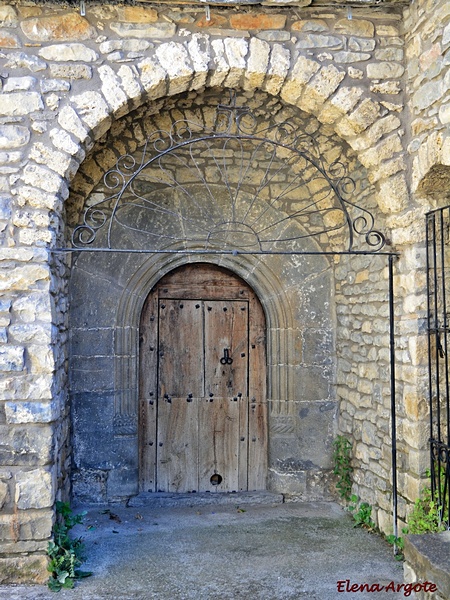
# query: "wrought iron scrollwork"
196,187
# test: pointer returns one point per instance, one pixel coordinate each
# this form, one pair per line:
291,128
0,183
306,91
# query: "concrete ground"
237,551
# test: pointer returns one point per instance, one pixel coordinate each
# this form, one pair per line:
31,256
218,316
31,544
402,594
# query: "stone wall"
72,83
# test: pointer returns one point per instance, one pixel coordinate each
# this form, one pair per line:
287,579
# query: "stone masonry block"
317,90
257,64
302,72
35,489
26,525
93,110
250,21
12,358
65,27
24,569
32,412
175,61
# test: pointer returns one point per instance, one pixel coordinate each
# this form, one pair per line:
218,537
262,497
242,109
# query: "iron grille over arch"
235,186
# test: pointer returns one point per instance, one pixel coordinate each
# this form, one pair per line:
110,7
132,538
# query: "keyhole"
216,479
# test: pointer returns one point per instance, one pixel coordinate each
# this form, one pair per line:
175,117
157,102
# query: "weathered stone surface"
361,44
25,445
355,123
12,358
54,85
66,27
257,63
93,110
444,114
236,50
342,102
153,77
382,151
56,161
302,72
15,84
174,60
112,91
358,27
390,54
323,84
319,41
71,71
280,61
274,36
34,489
70,121
13,136
125,45
9,40
29,11
428,94
32,412
200,53
20,60
351,57
4,494
137,14
42,178
130,83
386,70
310,25
220,63
145,31
68,52
26,525
257,21
8,17
446,35
24,569
386,87
215,20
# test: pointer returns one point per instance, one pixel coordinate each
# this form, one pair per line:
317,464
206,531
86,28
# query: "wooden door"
203,415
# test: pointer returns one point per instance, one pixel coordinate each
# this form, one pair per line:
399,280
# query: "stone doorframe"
279,319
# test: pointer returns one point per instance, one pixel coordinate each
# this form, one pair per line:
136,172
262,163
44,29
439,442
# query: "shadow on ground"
283,551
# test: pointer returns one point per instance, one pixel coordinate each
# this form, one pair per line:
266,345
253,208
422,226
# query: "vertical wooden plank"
218,444
258,414
177,451
257,446
148,353
243,443
180,348
226,329
181,364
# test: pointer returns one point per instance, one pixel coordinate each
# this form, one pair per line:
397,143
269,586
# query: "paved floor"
277,552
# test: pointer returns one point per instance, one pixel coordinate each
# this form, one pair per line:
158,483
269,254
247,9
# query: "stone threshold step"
163,499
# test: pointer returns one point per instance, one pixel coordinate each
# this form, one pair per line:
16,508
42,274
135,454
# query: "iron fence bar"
437,226
393,394
442,490
429,220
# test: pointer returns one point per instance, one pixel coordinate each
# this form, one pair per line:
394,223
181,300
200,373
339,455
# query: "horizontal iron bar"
229,252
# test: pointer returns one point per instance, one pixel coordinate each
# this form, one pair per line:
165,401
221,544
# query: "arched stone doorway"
203,408
297,291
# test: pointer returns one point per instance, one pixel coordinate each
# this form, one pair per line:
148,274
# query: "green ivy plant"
342,466
65,553
426,515
362,513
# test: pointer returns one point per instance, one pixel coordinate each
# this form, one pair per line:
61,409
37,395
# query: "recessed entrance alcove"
202,244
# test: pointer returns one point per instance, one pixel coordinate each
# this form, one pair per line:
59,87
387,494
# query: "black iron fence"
438,286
